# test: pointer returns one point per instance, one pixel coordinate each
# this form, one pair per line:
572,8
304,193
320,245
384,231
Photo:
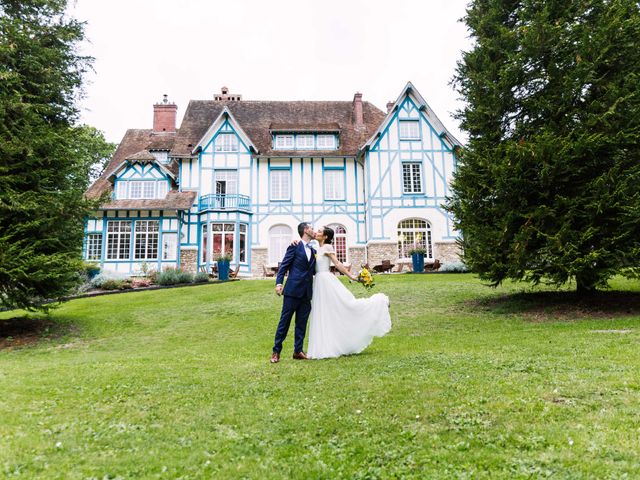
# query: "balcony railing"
217,201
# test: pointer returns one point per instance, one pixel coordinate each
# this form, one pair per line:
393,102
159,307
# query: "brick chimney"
358,117
164,116
390,105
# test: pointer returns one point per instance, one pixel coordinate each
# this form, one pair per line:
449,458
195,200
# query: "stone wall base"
259,257
357,257
189,260
376,252
447,252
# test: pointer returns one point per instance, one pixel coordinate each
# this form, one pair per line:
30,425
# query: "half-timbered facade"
238,176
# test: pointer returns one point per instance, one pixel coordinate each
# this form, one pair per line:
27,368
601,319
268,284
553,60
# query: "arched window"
414,232
279,240
340,241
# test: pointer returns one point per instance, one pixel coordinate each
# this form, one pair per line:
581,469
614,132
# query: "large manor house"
238,176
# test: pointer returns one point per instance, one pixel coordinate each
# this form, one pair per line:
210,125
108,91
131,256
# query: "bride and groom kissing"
340,323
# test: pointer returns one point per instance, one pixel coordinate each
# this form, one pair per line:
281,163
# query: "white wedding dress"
340,323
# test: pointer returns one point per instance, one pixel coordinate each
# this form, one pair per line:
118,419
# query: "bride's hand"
353,277
295,242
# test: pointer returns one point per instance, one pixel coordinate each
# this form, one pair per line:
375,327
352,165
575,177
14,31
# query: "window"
334,184
327,142
146,244
226,142
340,242
280,188
141,189
242,243
304,141
409,129
284,142
161,155
414,232
218,238
226,182
279,240
118,239
169,246
412,177
94,246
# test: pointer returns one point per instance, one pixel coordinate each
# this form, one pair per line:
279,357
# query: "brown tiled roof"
257,117
141,156
133,142
173,201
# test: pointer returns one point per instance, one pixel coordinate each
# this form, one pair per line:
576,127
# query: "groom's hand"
278,290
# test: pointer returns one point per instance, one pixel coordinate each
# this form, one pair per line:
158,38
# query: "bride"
340,323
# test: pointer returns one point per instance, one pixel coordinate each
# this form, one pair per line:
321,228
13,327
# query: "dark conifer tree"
548,187
45,157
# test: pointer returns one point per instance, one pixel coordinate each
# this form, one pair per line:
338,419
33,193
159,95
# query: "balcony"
219,201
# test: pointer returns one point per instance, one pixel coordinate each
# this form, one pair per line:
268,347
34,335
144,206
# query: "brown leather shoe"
300,356
275,357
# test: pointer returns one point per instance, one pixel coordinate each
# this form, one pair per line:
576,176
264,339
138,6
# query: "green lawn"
177,384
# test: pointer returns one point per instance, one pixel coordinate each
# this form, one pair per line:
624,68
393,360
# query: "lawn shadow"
24,331
563,305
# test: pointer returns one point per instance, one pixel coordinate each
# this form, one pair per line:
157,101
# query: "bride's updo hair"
328,232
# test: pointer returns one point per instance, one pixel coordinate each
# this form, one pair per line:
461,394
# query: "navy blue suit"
297,294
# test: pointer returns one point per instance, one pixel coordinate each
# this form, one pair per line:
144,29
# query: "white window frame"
146,240
411,232
412,177
326,142
118,239
304,141
340,241
280,184
227,142
279,239
334,184
284,141
409,129
94,246
170,246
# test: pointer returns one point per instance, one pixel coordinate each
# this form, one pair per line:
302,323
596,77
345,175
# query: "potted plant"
417,257
223,260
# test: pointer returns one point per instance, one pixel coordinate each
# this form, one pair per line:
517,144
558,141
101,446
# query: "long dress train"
340,323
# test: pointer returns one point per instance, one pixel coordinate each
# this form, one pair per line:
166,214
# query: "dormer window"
304,142
284,142
161,156
227,142
326,142
140,189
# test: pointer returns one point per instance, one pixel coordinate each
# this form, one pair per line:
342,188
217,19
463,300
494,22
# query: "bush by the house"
99,280
117,285
172,276
453,267
201,277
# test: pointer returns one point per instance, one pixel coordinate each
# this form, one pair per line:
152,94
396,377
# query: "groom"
300,262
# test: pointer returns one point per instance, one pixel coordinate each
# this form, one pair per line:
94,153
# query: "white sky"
266,50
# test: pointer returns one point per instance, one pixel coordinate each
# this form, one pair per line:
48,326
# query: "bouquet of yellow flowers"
365,278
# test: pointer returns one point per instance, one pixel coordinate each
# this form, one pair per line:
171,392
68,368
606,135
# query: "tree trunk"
586,285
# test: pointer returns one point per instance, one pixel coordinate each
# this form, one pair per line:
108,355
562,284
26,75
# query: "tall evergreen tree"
45,158
548,186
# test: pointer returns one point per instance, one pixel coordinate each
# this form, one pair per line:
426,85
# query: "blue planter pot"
418,262
223,270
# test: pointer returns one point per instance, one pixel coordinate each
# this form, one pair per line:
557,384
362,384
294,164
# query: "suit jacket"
300,280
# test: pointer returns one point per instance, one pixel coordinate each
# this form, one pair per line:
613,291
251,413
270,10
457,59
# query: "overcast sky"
266,50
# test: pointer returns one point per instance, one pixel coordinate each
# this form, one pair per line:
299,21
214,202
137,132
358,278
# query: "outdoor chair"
234,274
267,271
400,268
203,269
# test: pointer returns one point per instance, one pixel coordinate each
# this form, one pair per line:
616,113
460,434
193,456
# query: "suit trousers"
290,305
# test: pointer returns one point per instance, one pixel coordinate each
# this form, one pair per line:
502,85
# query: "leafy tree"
548,187
45,158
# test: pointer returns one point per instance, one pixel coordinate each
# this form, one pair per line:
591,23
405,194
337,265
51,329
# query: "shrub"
140,282
167,277
453,267
90,269
185,277
201,277
105,276
116,285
